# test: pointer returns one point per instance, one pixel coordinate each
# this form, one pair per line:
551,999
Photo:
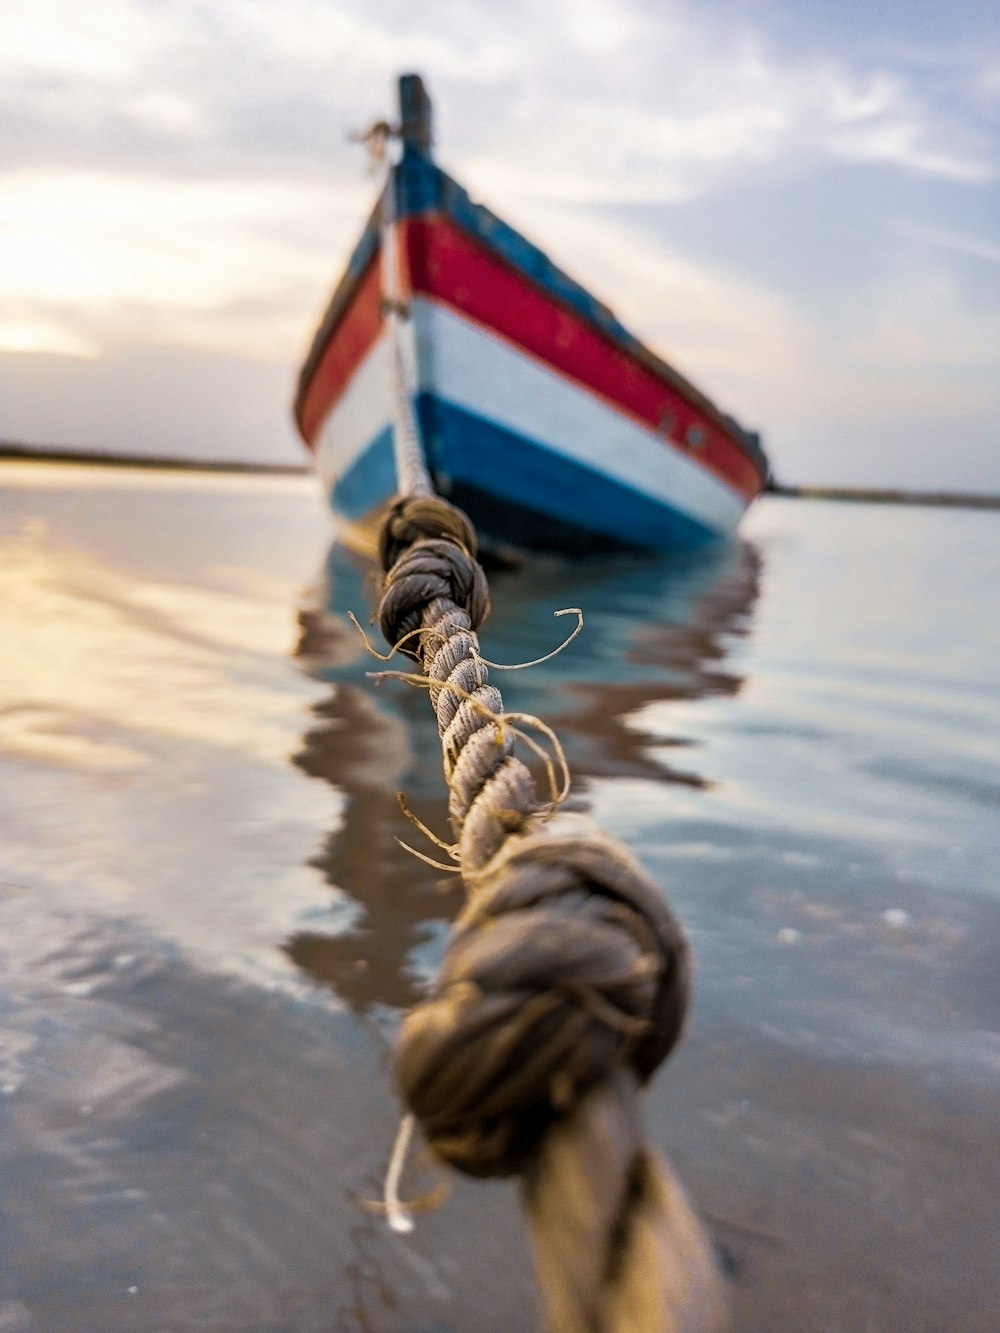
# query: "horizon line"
16,451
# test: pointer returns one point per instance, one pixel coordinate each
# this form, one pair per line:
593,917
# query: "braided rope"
564,985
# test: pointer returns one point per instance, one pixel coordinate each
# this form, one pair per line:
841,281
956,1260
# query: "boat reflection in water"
654,630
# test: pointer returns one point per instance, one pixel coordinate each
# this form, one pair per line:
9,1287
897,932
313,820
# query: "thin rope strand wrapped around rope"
564,986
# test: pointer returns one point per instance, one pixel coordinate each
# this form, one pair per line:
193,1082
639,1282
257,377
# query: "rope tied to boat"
564,986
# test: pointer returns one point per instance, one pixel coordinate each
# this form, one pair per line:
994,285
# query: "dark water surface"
207,930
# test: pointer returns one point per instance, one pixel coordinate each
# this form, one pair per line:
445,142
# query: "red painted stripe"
347,346
446,264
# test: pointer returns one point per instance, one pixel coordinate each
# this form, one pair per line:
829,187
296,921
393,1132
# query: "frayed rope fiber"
564,986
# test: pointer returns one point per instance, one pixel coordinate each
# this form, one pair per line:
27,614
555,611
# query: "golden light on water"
140,661
88,641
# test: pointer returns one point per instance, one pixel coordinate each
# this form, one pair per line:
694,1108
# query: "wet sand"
190,1156
207,931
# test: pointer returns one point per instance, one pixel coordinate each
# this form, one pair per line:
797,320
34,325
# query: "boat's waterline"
522,447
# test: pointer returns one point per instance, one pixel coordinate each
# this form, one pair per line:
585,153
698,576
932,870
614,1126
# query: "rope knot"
566,965
429,570
412,518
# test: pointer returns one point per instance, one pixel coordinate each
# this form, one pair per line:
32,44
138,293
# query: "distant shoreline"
868,495
860,495
22,453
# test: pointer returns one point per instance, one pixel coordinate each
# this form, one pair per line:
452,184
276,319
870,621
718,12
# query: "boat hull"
539,414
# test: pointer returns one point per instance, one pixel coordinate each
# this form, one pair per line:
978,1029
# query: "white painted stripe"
361,412
476,369
485,374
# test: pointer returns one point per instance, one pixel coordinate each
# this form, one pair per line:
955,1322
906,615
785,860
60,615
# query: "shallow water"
207,929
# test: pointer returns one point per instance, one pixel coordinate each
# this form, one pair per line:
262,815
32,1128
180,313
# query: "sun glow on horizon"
33,336
90,261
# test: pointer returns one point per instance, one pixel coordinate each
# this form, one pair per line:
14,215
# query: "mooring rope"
563,987
411,468
566,977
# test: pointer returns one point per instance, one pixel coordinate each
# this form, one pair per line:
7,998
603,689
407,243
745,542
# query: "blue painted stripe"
517,492
465,450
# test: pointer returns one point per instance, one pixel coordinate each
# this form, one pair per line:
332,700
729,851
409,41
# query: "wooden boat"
537,412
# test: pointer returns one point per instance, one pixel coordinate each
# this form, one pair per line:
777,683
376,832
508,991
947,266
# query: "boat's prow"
539,414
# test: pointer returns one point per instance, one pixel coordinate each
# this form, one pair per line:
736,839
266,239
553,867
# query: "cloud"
957,242
102,42
588,99
898,384
921,330
177,180
93,261
696,107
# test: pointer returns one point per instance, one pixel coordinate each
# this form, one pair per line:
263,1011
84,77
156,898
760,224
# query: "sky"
796,202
